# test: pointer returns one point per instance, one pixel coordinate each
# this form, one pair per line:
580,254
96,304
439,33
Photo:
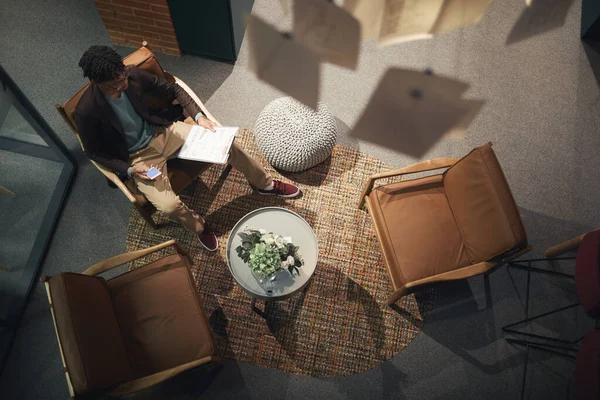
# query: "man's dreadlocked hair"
101,63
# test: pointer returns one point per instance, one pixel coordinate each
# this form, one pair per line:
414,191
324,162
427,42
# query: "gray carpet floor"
33,180
542,114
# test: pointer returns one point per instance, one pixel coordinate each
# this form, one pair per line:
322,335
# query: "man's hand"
206,123
140,173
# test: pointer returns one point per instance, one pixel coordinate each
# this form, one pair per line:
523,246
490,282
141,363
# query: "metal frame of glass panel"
56,151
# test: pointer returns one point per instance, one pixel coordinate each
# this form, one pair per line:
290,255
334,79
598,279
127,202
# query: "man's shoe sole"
285,196
207,248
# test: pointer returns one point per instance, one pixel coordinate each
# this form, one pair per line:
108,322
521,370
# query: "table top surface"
282,222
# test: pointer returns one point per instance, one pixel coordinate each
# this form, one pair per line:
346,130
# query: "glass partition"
35,172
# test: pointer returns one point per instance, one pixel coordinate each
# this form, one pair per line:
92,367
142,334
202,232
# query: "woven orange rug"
340,324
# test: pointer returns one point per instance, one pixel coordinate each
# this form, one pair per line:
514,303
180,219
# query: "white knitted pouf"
293,137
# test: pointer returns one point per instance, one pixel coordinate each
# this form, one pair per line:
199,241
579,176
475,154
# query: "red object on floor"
587,274
587,367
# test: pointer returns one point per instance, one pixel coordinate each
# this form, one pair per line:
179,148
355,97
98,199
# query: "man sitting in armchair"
121,133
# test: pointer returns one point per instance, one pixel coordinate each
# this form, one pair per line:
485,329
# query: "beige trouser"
164,147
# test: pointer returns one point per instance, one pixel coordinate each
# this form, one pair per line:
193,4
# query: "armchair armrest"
566,246
121,259
462,273
193,95
151,380
422,166
115,179
106,172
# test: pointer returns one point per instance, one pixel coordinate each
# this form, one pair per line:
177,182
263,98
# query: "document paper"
396,21
328,30
207,146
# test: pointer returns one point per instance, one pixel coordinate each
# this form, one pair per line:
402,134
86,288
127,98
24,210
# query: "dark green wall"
211,28
590,18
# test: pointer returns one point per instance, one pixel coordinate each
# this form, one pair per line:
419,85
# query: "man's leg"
252,170
173,138
162,196
258,177
160,193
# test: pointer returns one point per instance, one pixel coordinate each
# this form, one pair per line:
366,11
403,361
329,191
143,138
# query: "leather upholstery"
447,222
483,207
134,325
94,351
415,216
160,317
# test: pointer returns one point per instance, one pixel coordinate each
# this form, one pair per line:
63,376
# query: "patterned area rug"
340,324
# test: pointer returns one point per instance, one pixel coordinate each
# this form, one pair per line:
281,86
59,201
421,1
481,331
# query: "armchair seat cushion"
416,229
161,320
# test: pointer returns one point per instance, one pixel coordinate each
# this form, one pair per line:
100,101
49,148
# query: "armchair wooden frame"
566,246
461,273
422,166
107,265
5,192
141,204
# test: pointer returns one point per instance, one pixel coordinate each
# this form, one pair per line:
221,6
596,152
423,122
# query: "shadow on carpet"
339,325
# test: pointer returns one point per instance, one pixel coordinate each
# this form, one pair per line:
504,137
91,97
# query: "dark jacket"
100,130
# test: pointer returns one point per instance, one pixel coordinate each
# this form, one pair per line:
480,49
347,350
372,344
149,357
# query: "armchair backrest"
483,206
143,58
88,332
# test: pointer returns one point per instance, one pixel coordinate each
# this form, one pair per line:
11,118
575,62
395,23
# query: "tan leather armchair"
451,225
124,334
181,172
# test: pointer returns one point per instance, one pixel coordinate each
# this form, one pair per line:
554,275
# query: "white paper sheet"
328,30
368,13
285,6
207,146
397,21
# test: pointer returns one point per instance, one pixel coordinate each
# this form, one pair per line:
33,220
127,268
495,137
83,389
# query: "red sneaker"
280,189
208,239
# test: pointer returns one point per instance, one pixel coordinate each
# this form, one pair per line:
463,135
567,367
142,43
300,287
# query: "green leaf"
255,238
244,236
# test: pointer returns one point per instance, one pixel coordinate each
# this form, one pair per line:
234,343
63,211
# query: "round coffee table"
281,222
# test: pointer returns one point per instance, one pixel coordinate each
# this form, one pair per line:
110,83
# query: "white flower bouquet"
267,253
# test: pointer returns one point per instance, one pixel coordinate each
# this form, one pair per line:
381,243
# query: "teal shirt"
138,132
